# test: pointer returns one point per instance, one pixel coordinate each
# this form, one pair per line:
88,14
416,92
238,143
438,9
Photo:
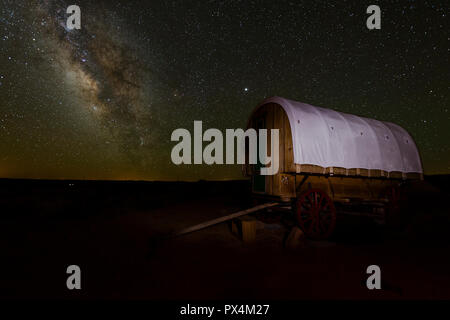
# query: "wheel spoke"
322,202
316,214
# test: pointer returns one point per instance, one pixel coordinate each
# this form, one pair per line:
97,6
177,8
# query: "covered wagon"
331,163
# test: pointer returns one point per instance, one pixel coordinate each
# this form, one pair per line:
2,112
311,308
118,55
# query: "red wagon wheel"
395,197
316,214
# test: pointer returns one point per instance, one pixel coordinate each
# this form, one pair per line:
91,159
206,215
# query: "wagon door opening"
259,181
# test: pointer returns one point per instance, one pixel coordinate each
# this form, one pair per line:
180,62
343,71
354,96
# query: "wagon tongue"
156,241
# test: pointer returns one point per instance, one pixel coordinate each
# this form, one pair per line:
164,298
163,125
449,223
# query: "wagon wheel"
316,214
393,209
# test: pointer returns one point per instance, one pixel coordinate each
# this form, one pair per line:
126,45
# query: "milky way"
101,102
102,69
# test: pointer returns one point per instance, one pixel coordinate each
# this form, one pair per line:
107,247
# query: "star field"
101,102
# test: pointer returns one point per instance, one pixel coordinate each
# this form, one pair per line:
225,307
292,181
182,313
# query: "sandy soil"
107,229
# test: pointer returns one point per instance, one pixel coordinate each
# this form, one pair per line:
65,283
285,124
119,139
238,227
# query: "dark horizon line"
112,180
152,181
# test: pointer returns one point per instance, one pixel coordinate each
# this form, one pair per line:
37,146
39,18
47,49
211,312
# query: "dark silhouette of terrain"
105,227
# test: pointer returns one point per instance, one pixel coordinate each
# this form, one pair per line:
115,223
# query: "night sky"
102,102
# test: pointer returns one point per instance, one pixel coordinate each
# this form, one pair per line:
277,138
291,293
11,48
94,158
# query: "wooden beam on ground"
222,219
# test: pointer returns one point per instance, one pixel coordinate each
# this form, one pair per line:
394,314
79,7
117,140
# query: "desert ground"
109,230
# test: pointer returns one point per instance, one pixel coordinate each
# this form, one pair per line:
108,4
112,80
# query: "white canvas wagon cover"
328,138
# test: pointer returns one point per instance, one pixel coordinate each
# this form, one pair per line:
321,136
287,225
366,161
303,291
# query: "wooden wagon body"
339,174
